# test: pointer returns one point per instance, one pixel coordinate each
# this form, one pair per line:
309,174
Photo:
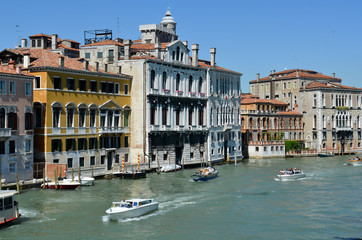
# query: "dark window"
152,113
81,161
92,118
37,117
11,146
104,87
28,121
8,203
93,86
99,54
56,160
178,82
164,116
125,141
152,81
82,85
116,158
2,118
39,42
103,158
177,117
110,87
82,144
70,144
126,89
190,84
57,82
93,143
164,80
70,162
33,43
87,55
70,84
13,121
56,145
37,82
201,117
92,160
191,111
2,147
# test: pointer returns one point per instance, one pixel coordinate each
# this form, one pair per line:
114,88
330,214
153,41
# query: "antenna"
17,26
118,31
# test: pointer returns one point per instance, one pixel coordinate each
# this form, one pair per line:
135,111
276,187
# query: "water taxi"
9,210
292,173
170,168
356,161
131,208
205,174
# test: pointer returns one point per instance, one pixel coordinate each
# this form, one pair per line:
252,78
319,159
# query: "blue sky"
250,36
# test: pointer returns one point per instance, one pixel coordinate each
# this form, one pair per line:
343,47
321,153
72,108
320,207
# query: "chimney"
258,76
97,66
26,60
213,53
61,61
54,41
186,43
195,55
158,47
24,43
18,69
297,73
333,75
127,46
86,65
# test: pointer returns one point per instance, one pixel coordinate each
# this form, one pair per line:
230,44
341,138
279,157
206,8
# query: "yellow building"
81,113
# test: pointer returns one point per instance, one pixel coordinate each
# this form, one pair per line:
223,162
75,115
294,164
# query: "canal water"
244,202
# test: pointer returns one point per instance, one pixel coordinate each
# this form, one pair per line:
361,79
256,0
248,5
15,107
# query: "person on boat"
356,158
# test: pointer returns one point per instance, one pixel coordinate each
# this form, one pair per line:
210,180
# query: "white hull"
133,212
84,181
291,176
355,163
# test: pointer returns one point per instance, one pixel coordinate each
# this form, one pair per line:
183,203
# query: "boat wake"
28,213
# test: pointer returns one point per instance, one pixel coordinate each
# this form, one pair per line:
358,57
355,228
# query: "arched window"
126,116
178,82
164,80
92,115
2,118
56,109
314,121
200,85
81,114
178,53
190,84
28,121
152,80
70,115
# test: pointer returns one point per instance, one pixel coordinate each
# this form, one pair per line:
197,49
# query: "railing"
266,142
114,130
5,132
179,93
344,128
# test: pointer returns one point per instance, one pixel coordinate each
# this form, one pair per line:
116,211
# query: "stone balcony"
106,130
5,132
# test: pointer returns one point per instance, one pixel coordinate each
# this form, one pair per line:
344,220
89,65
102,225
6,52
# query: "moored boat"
84,181
205,174
356,161
170,168
9,210
62,184
131,208
327,154
291,174
130,175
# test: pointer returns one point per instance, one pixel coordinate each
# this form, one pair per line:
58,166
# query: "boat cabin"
131,203
8,207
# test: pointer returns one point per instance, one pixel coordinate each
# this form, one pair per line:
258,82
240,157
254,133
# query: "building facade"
266,124
171,97
16,130
335,116
82,114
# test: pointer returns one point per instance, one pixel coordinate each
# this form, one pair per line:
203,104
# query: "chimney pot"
26,60
54,41
61,61
213,53
333,75
24,43
158,47
127,45
258,76
195,55
86,65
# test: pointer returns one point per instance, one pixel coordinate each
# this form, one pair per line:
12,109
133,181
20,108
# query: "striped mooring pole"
123,164
138,163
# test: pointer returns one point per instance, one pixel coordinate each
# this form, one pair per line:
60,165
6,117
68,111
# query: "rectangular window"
2,87
81,161
82,85
93,143
116,88
104,87
110,87
126,118
82,144
12,146
126,157
92,118
81,114
70,144
27,145
56,145
28,121
28,89
93,86
70,84
126,89
12,88
12,168
70,162
33,43
37,82
57,82
103,158
38,42
116,158
99,54
70,115
2,147
92,160
56,160
13,121
87,55
126,141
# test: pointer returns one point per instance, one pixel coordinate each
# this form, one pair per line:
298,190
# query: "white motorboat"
85,181
291,174
131,208
61,184
170,168
356,161
8,207
205,174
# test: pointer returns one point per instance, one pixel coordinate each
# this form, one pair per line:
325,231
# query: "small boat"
170,168
205,174
9,210
84,181
131,208
130,175
61,184
327,154
356,161
292,173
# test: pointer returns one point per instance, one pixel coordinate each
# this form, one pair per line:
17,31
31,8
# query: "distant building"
82,114
266,124
16,129
172,98
333,116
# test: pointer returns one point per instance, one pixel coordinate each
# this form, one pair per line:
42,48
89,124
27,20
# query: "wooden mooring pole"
43,178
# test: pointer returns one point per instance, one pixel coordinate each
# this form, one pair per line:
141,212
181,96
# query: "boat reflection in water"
131,208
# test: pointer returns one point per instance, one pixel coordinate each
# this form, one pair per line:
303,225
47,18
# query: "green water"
244,202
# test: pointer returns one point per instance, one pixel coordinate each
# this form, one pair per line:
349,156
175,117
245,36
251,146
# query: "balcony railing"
344,128
114,130
5,132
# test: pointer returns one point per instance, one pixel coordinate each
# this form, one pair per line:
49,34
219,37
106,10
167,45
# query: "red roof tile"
103,43
316,85
248,101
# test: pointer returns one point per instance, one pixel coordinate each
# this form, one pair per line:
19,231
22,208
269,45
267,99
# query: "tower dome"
168,21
